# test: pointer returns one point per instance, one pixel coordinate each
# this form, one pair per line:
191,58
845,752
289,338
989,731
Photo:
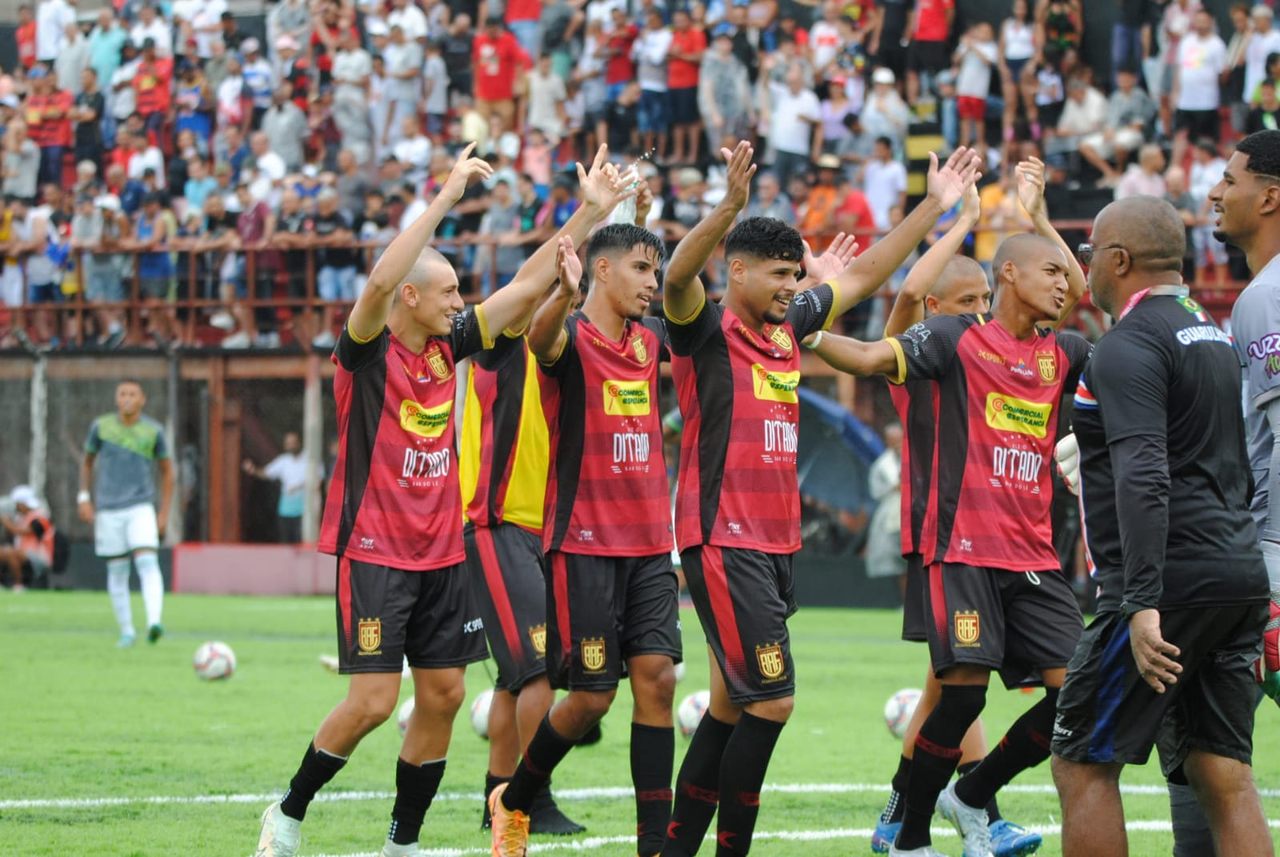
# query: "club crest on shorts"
369,636
538,637
642,353
968,628
593,655
1048,367
770,660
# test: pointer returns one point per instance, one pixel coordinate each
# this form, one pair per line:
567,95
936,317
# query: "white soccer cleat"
329,662
969,822
926,851
392,849
280,834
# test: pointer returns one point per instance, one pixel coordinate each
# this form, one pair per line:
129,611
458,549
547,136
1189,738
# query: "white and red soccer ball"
899,710
214,660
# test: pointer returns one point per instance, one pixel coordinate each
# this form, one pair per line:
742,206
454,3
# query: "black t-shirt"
295,224
1158,419
333,257
89,134
895,21
621,121
217,226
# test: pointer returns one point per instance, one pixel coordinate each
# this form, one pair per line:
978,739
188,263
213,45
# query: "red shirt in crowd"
620,68
496,62
854,215
932,24
523,10
683,74
47,118
152,84
26,39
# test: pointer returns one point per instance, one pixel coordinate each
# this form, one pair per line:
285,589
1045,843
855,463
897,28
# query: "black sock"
894,808
415,789
936,756
1025,745
317,768
742,770
697,788
545,751
491,782
653,752
993,807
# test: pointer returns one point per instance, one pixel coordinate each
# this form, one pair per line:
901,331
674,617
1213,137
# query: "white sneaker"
329,662
926,851
222,320
969,822
324,340
239,339
280,835
391,849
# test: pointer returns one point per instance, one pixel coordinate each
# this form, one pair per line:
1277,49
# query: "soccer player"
394,514
736,365
118,496
946,283
996,595
612,589
1182,585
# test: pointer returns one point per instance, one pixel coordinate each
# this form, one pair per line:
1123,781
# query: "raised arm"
870,270
369,315
547,336
855,356
682,290
602,189
908,307
1030,176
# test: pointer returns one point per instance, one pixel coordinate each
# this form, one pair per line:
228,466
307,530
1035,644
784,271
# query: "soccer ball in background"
899,709
689,713
403,714
480,713
214,660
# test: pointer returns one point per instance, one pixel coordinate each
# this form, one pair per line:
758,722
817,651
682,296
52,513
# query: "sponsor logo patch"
422,421
968,628
626,398
775,386
990,357
1008,413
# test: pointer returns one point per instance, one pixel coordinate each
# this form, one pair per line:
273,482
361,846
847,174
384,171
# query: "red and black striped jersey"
503,453
997,423
916,403
607,485
737,392
394,498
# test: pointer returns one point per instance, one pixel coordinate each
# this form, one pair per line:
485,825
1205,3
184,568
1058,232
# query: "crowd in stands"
158,152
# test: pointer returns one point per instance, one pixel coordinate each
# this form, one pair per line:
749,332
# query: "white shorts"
119,532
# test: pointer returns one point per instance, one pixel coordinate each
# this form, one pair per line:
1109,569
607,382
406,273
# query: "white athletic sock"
152,585
118,588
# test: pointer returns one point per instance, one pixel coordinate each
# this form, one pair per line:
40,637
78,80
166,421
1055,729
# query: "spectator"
1061,24
105,42
285,128
684,59
793,113
146,161
724,94
1130,112
1233,82
30,534
885,183
1197,88
1266,115
536,156
547,94
1264,42
856,147
413,152
152,232
623,118
927,53
620,67
888,37
1207,168
87,115
975,56
1127,36
498,259
72,60
153,87
254,271
233,38
650,54
21,163
885,114
289,468
352,67
25,37
497,59
457,53
289,67
123,101
1144,178
205,20
52,19
435,82
294,237
853,213
335,260
403,62
352,184
33,235
257,79
824,37
98,228
1050,98
1084,114
48,112
522,20
836,108
817,212
151,26
1175,181
199,184
214,260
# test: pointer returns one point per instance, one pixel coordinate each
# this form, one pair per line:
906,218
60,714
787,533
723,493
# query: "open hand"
840,255
971,205
604,187
568,265
741,171
466,169
948,183
1153,655
1030,177
644,203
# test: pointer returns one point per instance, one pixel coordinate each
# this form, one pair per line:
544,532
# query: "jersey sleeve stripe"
482,321
691,317
361,340
900,374
833,312
564,343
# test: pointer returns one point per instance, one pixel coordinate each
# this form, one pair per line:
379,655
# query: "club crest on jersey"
538,637
1048,366
639,349
369,636
770,660
593,654
968,628
438,365
781,338
775,386
423,421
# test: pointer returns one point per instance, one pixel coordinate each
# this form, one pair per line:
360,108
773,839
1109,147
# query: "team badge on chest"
639,349
438,365
1048,367
781,338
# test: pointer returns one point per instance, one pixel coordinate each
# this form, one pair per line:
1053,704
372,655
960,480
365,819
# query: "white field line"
607,793
596,842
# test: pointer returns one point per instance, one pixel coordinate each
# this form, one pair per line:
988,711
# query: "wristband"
83,497
816,339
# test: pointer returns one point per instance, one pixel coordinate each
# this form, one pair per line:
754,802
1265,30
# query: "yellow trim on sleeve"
361,340
833,312
900,376
690,317
486,338
564,342
513,333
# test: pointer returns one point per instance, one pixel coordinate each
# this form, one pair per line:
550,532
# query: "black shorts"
931,57
915,627
1017,623
604,610
892,56
684,106
1199,123
744,598
1108,714
386,615
506,567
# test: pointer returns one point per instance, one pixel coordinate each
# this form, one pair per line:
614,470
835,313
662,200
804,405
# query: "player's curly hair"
764,238
621,237
1263,151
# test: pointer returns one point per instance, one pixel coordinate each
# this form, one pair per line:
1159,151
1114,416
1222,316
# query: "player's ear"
737,270
1270,202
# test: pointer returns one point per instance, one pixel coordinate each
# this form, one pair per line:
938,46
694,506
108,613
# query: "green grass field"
106,752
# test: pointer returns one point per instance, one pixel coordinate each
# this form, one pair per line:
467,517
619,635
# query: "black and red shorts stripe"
603,610
743,599
506,568
1012,622
386,615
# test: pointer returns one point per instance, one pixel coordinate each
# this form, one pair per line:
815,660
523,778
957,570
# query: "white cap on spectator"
109,201
250,45
24,495
883,75
1261,11
286,43
376,27
10,101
